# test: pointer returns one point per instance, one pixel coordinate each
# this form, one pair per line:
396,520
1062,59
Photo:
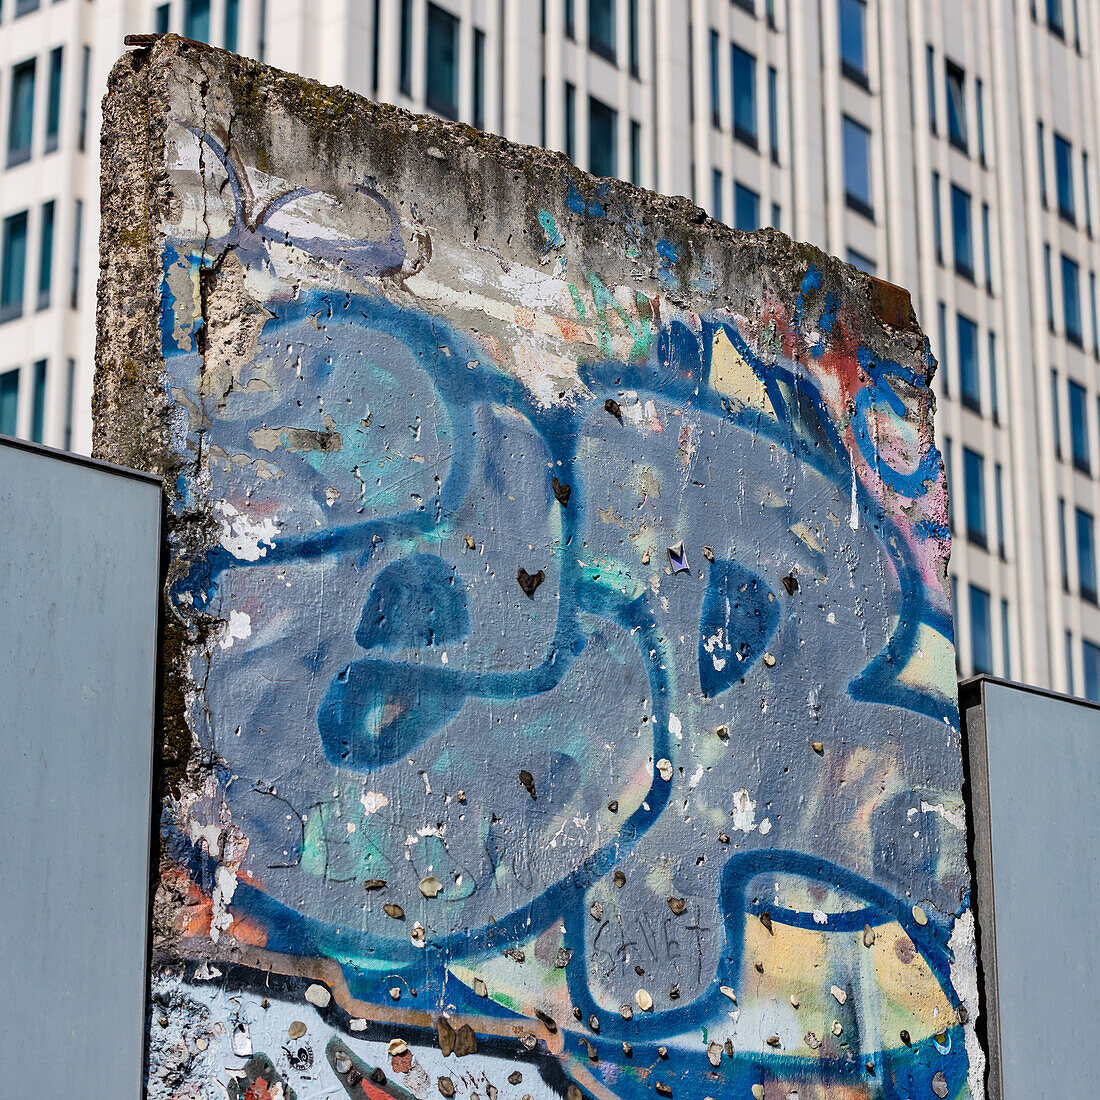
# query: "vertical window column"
53,103
13,266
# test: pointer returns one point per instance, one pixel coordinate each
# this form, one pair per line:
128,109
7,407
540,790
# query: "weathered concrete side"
559,689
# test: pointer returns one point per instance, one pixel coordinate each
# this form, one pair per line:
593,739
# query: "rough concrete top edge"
333,111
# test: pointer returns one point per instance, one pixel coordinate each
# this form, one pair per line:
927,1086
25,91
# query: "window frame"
853,200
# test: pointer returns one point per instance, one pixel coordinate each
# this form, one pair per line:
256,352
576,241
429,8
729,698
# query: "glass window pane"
601,27
479,79
232,24
1071,300
635,40
715,84
1041,139
981,631
405,52
21,113
1006,642
1091,655
773,114
716,195
857,166
9,402
987,248
998,491
636,153
930,65
974,480
196,20
963,234
994,388
864,263
956,107
979,118
744,95
442,62
1079,425
1063,171
13,266
937,217
746,211
1055,412
570,122
38,402
1086,554
78,225
85,76
853,49
45,256
602,139
160,18
53,104
1063,546
1055,17
970,379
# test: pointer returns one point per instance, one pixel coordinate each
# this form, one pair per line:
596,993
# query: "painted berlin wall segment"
559,684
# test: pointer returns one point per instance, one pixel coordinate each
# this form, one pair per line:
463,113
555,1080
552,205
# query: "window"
1055,18
970,379
746,208
1055,415
715,84
9,402
78,219
53,102
1063,173
1041,138
775,215
1006,642
716,195
937,217
570,121
1086,191
853,45
1090,654
376,48
24,7
961,228
1079,426
1062,545
956,107
994,388
196,20
602,139
570,19
769,14
21,113
930,62
405,57
1069,663
441,93
1071,300
601,28
857,167
160,18
864,263
479,79
974,485
1092,304
70,395
38,402
45,257
1086,555
85,76
635,40
1049,278
999,509
747,5
232,24
987,249
636,153
261,32
953,584
13,266
744,95
773,114
981,631
979,119
941,310
948,466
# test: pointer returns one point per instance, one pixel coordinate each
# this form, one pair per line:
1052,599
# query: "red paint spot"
402,1063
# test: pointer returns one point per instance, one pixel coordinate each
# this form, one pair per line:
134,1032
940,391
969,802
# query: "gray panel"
1044,772
79,546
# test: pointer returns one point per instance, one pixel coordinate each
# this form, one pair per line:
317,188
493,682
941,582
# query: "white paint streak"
963,953
243,536
744,811
237,629
373,802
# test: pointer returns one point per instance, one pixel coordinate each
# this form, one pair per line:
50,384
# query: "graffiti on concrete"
571,677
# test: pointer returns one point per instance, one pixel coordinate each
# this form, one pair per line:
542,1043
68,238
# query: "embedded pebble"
296,1030
839,994
919,915
318,995
644,1000
664,768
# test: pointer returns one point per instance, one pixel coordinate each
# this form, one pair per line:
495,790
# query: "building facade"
946,147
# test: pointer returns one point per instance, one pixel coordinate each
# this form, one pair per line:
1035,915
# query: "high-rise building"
947,147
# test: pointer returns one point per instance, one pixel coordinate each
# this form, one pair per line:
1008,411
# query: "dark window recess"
1056,19
13,266
38,402
1063,175
78,229
21,113
937,217
9,402
963,232
376,47
773,114
930,67
53,100
1079,427
635,43
853,40
1090,654
1041,140
196,20
941,310
948,466
715,83
746,208
743,74
570,18
70,399
857,167
1056,415
635,153
987,248
601,28
1006,642
775,215
994,388
1069,663
232,25
716,195
603,131
45,256
970,385
441,91
160,18
974,483
979,120
25,7
981,630
999,502
85,77
571,121
747,5
956,107
864,263
1086,191
1049,279
405,84
1086,554
1071,300
479,79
